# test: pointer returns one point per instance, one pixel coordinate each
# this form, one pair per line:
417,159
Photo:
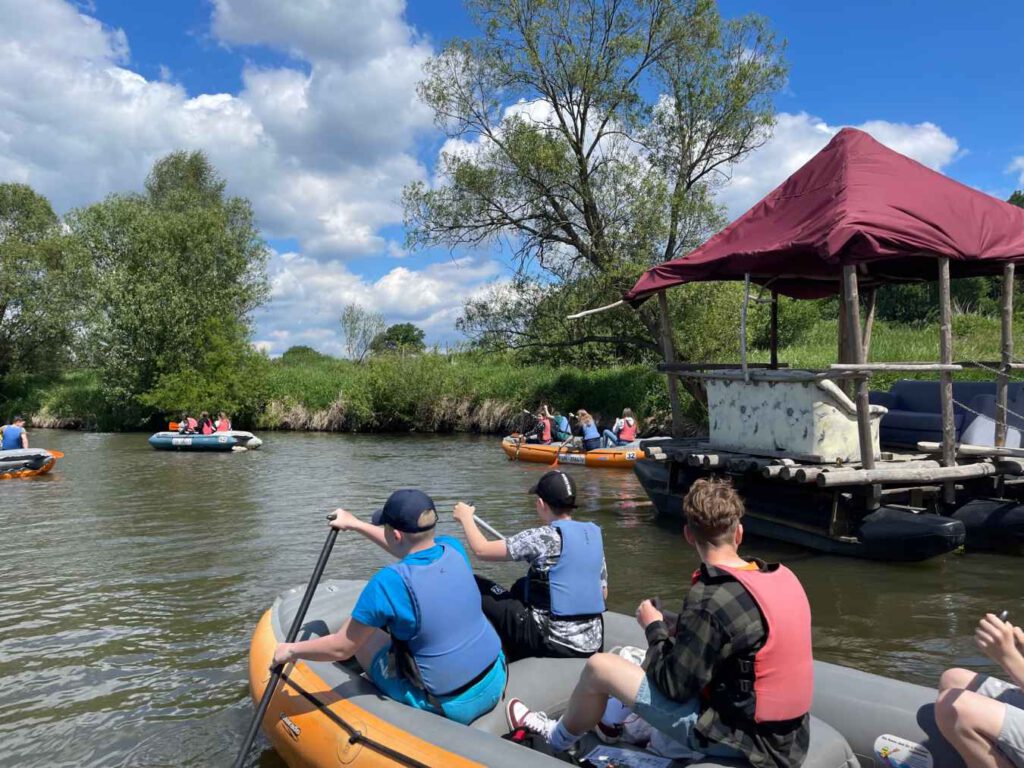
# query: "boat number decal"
181,441
222,439
572,458
630,455
293,729
900,753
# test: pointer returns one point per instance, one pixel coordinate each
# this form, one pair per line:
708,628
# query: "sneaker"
609,734
520,717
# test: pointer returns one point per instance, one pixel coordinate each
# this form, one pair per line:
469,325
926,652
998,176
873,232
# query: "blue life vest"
590,431
12,438
454,643
571,589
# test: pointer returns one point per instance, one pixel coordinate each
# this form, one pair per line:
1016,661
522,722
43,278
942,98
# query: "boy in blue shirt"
418,628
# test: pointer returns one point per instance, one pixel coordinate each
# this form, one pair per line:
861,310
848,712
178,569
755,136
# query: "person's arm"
489,551
24,439
346,521
340,646
999,641
682,666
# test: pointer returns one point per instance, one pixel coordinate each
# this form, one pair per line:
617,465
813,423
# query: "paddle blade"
55,454
173,426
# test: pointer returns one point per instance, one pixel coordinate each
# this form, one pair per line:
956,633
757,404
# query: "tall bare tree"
586,136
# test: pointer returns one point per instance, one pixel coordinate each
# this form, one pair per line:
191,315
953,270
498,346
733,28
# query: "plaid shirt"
720,623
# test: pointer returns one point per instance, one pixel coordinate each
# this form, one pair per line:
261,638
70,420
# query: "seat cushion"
917,421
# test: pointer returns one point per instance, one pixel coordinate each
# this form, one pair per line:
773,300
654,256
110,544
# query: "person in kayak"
555,610
588,430
541,432
560,429
982,716
223,422
731,676
187,425
417,628
205,426
622,433
14,435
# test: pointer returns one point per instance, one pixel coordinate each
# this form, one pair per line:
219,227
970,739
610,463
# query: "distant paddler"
14,435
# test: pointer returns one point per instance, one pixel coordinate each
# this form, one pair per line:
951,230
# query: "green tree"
360,327
403,338
1017,198
590,135
37,289
169,270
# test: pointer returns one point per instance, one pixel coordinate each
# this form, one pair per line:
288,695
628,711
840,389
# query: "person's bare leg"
604,675
963,679
971,723
371,648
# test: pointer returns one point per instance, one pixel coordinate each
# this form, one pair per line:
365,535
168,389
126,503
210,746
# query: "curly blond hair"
712,509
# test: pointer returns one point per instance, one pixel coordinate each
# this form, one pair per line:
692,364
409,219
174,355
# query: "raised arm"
490,551
340,646
346,521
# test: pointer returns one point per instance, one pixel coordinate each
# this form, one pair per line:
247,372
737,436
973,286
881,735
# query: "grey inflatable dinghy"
25,462
326,714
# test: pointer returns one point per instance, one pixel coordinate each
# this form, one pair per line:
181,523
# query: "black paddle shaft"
293,632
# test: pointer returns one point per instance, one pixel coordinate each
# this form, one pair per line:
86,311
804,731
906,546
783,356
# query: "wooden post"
1002,383
946,377
743,326
852,301
669,352
869,324
773,332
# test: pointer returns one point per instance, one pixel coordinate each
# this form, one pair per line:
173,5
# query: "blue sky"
308,109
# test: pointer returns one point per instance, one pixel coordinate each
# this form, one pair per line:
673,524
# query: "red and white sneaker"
520,717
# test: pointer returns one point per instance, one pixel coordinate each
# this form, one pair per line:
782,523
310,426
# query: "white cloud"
322,149
309,296
1017,166
798,137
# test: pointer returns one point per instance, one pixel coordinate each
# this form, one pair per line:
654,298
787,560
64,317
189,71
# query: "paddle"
293,632
172,426
483,524
567,440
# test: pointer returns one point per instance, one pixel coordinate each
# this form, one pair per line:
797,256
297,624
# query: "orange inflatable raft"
326,715
517,449
27,462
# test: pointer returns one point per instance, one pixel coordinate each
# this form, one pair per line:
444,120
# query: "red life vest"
223,425
546,434
628,431
784,667
192,424
207,428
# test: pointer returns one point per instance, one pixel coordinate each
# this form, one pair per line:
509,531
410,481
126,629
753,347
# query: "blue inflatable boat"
235,440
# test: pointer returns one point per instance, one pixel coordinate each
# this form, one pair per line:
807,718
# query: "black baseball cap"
557,489
402,511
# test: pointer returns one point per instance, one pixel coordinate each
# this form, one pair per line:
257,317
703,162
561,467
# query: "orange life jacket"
783,670
628,431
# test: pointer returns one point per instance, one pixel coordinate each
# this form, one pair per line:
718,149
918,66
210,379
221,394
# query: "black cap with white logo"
556,489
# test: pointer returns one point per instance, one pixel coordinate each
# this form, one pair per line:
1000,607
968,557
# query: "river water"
132,579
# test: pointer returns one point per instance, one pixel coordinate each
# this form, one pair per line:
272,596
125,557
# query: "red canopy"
855,202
